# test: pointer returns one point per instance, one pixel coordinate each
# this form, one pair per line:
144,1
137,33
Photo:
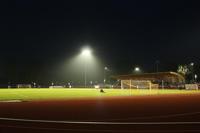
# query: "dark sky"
37,36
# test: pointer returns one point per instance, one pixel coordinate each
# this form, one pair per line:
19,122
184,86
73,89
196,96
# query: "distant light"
195,76
137,69
96,86
192,64
105,68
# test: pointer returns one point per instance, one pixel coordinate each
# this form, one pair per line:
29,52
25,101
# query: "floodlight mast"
104,80
86,52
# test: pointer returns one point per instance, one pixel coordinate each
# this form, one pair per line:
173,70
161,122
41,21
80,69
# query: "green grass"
45,94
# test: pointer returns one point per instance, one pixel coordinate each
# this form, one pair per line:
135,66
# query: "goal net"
136,84
23,85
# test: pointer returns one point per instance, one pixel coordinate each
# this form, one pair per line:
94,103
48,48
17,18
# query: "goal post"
137,84
23,85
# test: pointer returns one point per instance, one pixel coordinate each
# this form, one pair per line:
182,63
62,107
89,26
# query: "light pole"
85,73
157,65
192,71
104,80
86,53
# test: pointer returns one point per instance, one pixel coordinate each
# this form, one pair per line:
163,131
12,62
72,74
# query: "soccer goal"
136,84
23,85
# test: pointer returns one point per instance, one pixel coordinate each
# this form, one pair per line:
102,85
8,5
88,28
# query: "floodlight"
106,68
137,69
86,52
195,76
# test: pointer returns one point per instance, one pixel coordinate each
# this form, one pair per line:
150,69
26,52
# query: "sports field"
88,110
75,93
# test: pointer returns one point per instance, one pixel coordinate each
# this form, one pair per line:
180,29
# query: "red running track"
138,109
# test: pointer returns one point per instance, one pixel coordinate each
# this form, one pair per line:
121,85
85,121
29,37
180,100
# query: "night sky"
37,37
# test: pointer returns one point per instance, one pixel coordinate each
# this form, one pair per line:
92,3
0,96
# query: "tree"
187,71
183,70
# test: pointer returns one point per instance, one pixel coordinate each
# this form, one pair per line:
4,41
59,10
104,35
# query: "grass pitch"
74,93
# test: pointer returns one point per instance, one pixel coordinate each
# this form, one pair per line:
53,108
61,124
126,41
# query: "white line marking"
10,101
100,122
152,117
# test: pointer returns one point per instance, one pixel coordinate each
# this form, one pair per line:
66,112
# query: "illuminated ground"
56,94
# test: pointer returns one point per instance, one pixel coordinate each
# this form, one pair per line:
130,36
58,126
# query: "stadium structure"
151,80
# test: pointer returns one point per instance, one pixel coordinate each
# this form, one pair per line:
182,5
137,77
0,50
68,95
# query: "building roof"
165,76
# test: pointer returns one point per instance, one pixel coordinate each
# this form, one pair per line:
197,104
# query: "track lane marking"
101,122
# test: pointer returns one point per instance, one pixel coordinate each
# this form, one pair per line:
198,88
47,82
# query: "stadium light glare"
195,76
83,63
106,68
137,69
86,52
